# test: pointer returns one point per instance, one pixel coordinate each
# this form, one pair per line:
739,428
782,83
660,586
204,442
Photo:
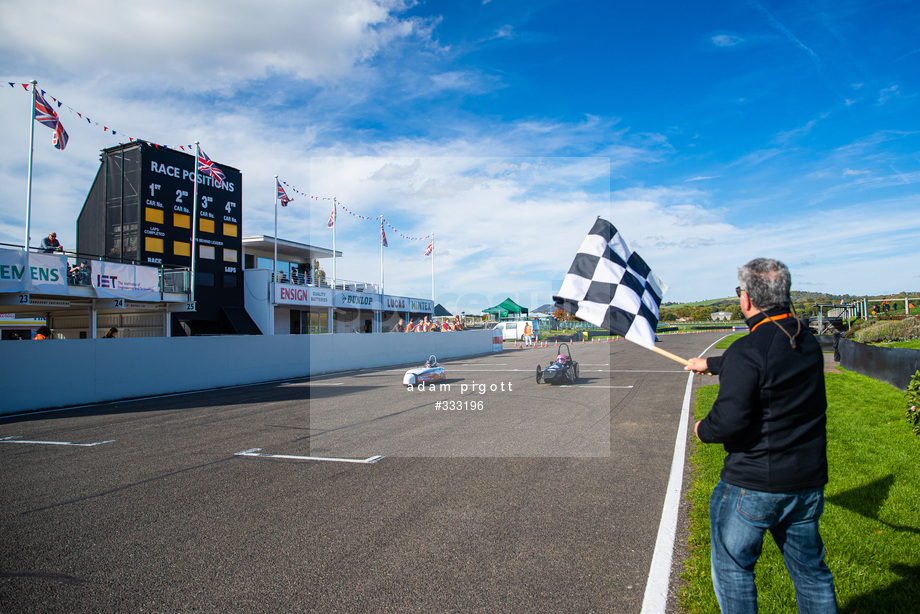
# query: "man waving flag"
610,286
46,115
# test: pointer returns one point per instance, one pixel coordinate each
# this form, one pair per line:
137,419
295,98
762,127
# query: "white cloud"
726,40
888,93
199,46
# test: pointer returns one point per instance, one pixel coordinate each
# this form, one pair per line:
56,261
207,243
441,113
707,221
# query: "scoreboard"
166,191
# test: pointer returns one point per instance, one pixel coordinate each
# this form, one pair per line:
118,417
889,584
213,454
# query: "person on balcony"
50,244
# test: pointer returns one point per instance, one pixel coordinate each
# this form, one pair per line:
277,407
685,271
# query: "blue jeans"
738,519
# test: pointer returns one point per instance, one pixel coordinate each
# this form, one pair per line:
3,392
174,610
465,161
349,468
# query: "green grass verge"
724,343
871,521
911,344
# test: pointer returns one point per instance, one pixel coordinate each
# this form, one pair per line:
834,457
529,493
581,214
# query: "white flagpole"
432,268
335,214
29,184
275,261
381,253
195,219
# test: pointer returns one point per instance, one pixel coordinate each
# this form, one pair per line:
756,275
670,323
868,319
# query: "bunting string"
105,128
189,148
365,218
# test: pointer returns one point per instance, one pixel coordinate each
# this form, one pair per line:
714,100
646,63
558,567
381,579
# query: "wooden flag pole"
667,354
664,353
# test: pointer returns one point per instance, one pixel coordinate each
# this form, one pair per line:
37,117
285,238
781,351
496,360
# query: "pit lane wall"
61,373
892,365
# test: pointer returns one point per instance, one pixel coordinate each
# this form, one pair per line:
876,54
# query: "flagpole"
195,220
29,184
275,261
335,214
667,354
381,253
432,268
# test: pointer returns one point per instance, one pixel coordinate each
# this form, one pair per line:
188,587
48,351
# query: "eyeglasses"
738,290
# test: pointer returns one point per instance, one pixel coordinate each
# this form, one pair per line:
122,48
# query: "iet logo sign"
106,281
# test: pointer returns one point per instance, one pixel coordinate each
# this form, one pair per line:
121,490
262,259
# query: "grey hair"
767,283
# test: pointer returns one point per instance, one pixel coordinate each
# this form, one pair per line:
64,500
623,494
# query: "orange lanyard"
771,318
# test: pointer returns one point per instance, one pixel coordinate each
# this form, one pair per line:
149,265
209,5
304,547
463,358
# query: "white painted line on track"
18,439
483,364
362,461
313,384
492,370
580,370
589,386
655,600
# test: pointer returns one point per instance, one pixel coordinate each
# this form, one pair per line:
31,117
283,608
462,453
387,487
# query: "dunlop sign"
357,300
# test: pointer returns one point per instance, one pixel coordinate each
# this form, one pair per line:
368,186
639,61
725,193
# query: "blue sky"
709,133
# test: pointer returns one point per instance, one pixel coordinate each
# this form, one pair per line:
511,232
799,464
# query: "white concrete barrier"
61,373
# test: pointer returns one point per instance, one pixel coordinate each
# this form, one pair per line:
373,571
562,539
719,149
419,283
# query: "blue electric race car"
563,370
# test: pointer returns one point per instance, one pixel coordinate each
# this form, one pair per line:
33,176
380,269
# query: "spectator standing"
50,244
770,415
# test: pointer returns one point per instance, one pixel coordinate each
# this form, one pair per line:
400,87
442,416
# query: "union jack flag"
209,168
383,235
331,222
429,249
47,116
282,195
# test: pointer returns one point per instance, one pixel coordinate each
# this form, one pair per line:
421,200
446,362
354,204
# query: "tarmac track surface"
547,499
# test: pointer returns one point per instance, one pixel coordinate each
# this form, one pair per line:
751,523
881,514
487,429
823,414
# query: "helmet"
560,358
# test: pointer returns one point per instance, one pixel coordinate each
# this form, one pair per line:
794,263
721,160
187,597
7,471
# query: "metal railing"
337,284
172,279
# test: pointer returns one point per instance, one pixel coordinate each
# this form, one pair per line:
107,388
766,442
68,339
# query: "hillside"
798,297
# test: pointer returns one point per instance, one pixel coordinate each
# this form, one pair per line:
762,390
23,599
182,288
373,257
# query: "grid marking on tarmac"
18,439
362,461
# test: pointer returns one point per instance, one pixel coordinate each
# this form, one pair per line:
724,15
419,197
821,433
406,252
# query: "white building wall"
256,286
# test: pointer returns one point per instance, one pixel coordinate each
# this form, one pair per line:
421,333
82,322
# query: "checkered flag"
610,286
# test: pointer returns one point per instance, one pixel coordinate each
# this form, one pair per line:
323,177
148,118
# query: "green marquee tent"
506,309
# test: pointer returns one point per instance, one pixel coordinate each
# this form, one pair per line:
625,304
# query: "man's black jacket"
770,411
